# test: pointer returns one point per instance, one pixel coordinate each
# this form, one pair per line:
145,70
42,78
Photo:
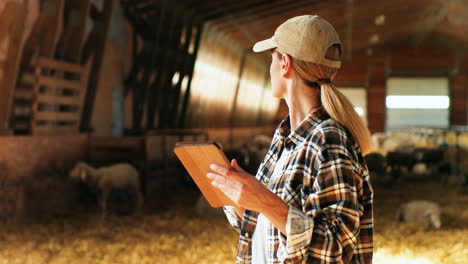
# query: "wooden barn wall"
251,86
24,155
229,87
214,84
417,61
34,175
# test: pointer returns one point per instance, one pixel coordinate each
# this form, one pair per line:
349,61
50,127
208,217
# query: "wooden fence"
49,98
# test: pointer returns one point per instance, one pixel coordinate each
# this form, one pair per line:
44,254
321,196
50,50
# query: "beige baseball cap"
304,37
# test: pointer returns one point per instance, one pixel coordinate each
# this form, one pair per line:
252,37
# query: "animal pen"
108,82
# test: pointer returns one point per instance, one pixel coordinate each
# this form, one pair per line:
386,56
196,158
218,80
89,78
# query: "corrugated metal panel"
250,91
214,84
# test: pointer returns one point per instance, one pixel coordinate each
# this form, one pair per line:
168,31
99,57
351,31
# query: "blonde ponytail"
342,110
333,101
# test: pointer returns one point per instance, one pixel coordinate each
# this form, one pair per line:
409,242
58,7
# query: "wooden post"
459,95
71,41
164,45
12,20
45,33
376,93
186,98
184,67
101,40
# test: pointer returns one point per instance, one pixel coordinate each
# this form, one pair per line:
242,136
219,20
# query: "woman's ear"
286,65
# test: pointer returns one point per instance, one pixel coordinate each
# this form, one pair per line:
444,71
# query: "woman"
311,200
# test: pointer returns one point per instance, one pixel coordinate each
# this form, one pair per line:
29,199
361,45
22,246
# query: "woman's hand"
247,192
239,186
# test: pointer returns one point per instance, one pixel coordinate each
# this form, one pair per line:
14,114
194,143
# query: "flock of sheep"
392,157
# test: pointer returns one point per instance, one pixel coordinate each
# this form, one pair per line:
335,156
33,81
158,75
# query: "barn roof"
364,25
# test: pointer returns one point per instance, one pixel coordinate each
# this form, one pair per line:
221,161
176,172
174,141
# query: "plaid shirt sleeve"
327,227
232,217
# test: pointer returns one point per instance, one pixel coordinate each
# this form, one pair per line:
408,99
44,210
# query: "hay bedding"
178,236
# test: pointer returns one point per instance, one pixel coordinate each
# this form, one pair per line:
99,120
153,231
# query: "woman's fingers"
217,180
236,166
227,172
227,185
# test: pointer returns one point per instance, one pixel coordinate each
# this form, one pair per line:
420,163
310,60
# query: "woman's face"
277,82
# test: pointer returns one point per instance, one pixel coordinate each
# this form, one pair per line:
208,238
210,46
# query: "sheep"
377,165
121,176
421,212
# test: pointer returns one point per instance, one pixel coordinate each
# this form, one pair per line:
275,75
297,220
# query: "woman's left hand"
239,186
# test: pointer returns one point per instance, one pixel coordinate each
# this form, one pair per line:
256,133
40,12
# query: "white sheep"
421,212
120,176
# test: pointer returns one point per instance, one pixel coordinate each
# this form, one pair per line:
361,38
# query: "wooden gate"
54,92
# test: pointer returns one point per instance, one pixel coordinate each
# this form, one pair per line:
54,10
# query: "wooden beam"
166,44
71,41
221,11
13,18
101,40
183,67
185,102
275,10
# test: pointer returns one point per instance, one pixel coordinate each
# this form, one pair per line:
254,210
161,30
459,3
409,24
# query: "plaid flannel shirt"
327,187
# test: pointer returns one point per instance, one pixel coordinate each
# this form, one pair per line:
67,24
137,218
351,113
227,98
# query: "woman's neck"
301,100
300,108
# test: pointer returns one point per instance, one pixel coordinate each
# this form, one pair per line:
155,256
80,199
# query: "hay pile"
178,236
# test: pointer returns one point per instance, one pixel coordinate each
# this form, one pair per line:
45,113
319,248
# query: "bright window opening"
417,102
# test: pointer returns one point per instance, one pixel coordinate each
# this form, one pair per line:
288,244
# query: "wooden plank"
52,82
54,129
56,100
13,18
59,83
116,142
59,65
56,116
27,78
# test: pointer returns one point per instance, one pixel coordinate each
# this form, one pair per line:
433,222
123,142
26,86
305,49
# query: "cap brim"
263,45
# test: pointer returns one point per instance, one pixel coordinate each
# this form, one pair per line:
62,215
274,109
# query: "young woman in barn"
311,200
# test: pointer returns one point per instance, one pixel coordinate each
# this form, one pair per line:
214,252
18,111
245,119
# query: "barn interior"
122,81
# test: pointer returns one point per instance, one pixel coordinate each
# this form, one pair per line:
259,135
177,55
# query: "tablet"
197,158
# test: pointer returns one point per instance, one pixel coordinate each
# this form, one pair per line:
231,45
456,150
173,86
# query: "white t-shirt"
260,235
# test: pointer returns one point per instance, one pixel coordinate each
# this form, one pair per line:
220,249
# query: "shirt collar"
300,133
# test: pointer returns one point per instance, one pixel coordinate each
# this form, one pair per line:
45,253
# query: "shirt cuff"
299,230
232,217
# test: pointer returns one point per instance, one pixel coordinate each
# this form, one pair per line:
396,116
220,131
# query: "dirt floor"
177,235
